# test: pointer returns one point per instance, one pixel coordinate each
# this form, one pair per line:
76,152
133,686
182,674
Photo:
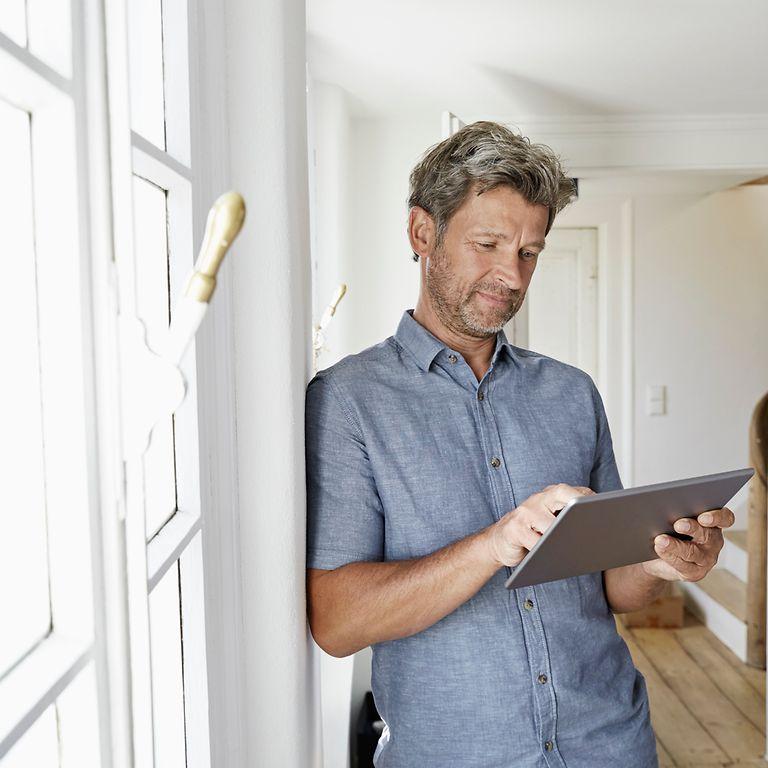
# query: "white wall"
266,78
374,255
215,382
701,314
384,279
329,158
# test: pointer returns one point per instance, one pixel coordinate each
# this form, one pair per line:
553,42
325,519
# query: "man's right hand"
511,538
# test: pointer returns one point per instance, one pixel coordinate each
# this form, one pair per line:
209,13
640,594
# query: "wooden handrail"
756,535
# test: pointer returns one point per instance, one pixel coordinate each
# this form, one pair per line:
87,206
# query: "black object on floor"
367,732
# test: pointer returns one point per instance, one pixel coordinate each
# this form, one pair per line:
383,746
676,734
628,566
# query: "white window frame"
179,538
36,681
125,568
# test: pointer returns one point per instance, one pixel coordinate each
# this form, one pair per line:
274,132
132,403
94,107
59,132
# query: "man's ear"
421,231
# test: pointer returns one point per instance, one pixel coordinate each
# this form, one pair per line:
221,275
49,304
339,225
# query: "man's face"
478,278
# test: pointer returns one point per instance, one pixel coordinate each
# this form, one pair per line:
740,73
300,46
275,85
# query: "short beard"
459,313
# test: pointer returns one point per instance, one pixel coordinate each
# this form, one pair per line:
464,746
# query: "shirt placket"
526,599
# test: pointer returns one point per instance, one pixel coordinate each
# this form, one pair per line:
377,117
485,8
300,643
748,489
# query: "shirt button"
495,462
480,396
528,605
453,358
548,745
542,679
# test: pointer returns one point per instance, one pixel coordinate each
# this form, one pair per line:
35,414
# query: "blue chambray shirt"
407,452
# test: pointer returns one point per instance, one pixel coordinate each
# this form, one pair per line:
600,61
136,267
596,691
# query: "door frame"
613,218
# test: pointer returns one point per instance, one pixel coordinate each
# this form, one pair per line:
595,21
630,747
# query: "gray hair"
485,155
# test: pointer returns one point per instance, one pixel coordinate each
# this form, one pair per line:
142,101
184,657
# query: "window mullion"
123,246
168,544
35,683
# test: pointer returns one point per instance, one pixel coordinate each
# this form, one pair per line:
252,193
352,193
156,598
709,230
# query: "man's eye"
487,245
528,255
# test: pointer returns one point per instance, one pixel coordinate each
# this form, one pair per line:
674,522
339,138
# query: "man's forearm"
363,603
630,588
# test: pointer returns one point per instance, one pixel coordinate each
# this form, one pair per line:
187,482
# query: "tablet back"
607,530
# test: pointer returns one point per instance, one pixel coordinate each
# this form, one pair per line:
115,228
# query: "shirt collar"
425,347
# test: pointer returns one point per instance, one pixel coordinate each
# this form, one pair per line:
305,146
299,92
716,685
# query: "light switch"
656,399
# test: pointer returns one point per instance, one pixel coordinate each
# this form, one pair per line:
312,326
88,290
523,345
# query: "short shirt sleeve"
605,474
345,520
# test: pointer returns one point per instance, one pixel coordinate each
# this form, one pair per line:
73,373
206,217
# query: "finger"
682,555
688,571
674,550
700,533
717,518
540,519
709,539
519,529
557,496
529,538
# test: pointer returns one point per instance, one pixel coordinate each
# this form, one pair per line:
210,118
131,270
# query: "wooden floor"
707,707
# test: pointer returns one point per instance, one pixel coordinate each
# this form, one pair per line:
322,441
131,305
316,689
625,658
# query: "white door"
559,316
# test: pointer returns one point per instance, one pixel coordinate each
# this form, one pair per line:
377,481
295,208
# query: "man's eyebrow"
502,236
491,233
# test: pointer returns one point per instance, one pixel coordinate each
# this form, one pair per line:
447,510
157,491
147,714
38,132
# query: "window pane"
13,21
145,53
67,733
50,33
167,680
23,543
79,722
38,747
153,306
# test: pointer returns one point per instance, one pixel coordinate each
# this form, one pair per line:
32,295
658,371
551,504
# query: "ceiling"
543,57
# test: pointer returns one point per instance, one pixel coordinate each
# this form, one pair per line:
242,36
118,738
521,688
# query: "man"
435,461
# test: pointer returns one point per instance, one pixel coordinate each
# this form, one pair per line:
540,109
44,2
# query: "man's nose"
508,273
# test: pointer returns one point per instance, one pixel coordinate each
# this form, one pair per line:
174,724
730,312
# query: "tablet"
607,530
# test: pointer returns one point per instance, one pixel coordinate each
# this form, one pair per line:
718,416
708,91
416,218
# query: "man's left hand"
690,560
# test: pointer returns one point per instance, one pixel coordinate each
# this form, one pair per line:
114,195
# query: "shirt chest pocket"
432,501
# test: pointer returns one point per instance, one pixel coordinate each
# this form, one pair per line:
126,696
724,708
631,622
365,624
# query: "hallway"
707,707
